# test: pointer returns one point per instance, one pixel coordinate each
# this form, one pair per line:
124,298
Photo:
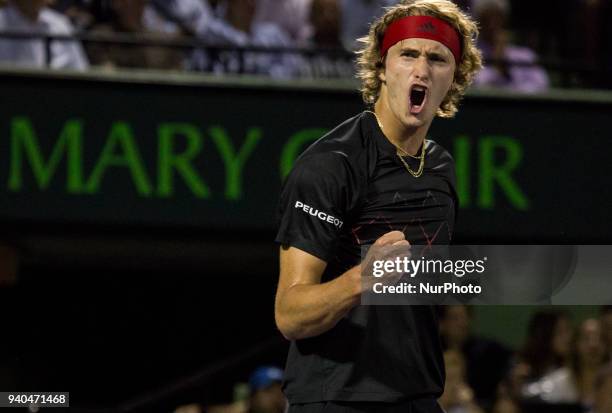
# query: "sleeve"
314,204
67,54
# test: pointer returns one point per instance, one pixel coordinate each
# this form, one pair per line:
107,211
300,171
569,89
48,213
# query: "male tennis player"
374,179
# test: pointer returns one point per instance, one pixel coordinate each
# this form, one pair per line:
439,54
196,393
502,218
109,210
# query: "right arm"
304,306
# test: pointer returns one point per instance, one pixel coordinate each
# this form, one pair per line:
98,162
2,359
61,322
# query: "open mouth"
418,95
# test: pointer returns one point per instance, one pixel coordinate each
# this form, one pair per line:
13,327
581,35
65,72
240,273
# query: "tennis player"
376,179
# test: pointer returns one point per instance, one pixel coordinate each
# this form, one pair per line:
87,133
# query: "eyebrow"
433,53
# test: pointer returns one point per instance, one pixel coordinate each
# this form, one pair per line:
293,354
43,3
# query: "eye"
410,53
437,58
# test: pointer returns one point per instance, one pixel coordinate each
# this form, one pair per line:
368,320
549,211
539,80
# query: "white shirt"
198,16
32,52
292,16
557,386
277,65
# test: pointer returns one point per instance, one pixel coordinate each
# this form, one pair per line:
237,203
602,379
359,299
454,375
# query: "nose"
421,68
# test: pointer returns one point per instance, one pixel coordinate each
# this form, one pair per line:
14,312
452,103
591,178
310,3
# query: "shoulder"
337,157
440,162
439,154
329,168
349,139
57,22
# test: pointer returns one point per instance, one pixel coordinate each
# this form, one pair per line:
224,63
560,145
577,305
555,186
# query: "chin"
414,121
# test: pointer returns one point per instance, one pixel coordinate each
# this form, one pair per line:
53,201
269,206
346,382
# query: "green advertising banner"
209,155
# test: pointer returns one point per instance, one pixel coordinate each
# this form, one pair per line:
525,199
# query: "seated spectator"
33,16
548,344
357,15
77,11
486,360
239,15
197,18
265,396
290,15
588,358
506,405
458,397
602,402
325,23
574,383
510,66
131,17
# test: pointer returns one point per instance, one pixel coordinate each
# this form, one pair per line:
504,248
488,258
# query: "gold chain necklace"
419,171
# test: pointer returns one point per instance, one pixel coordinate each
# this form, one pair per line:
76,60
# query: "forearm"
307,310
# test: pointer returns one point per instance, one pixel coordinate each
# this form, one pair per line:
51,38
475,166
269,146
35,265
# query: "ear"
381,74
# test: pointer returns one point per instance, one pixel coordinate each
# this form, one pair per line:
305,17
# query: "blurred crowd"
528,46
560,367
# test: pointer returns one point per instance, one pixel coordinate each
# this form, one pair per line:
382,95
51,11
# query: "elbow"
285,328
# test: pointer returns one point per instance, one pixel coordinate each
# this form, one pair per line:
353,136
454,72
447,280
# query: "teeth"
419,88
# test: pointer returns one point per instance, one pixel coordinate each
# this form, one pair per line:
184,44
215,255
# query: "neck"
410,139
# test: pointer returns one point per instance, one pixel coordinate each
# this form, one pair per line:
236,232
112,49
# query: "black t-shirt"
345,191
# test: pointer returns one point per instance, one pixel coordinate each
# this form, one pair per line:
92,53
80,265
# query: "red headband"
422,27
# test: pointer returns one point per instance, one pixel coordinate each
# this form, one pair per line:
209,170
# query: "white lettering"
377,271
323,216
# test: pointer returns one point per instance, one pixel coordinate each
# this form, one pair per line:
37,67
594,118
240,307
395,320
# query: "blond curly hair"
369,62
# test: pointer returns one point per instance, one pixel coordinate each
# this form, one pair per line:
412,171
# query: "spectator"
575,383
556,36
506,405
33,16
606,328
548,343
486,360
290,15
196,18
357,16
239,15
510,67
603,390
325,23
265,396
458,397
128,16
77,11
588,357
325,20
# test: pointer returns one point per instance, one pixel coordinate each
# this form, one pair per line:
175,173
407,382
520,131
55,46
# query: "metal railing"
565,70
